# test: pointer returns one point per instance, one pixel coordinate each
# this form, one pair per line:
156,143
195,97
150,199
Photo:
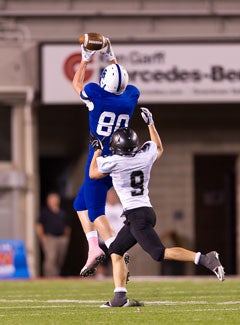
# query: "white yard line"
74,301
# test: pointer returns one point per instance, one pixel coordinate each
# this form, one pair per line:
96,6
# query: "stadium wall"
25,24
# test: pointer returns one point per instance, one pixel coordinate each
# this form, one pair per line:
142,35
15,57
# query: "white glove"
86,54
108,51
147,116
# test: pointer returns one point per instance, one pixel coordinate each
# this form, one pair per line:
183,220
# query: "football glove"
147,116
86,54
96,143
108,51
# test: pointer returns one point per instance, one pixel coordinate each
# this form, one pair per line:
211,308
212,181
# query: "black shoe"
128,303
90,270
212,262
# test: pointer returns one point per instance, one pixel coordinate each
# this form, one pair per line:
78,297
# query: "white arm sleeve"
105,164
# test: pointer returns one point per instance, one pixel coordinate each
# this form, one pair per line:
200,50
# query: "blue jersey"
107,113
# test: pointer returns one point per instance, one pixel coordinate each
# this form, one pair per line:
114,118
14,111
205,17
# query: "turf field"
76,301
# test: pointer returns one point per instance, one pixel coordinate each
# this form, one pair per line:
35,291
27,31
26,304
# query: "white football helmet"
114,78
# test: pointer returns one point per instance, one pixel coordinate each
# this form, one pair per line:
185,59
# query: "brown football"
93,41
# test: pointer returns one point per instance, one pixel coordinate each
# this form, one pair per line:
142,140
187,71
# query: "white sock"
197,258
109,241
92,234
120,289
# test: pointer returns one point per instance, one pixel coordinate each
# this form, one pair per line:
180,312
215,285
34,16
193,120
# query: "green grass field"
76,301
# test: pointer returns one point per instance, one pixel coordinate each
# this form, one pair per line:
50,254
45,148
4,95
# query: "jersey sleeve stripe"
83,95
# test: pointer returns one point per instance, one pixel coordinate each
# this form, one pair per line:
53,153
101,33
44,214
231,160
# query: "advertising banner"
164,73
13,260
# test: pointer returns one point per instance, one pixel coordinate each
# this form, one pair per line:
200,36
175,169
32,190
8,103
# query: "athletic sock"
197,258
120,289
92,238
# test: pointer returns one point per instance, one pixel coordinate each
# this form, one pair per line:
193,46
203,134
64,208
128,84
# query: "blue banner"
13,259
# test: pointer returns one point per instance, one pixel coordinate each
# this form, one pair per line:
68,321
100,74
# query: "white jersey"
130,175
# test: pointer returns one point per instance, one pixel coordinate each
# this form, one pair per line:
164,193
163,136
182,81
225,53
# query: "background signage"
13,259
170,73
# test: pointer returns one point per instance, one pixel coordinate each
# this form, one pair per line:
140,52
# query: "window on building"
5,133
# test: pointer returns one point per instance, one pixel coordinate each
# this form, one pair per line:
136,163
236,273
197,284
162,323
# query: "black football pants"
139,228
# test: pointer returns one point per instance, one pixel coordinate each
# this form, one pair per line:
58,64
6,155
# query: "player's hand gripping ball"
108,51
93,41
87,54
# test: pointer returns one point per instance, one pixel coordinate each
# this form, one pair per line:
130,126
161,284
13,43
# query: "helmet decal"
119,78
103,73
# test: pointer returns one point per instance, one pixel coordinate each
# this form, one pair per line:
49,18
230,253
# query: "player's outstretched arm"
94,173
78,79
154,136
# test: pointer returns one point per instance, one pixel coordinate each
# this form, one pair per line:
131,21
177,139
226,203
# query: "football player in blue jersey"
110,104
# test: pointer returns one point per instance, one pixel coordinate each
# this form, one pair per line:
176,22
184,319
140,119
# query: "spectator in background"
53,230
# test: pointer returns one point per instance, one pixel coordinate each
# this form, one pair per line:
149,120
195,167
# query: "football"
93,41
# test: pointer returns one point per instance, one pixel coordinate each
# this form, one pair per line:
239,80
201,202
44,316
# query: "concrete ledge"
12,179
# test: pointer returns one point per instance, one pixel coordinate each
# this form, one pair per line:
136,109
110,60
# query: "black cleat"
91,269
212,262
128,303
